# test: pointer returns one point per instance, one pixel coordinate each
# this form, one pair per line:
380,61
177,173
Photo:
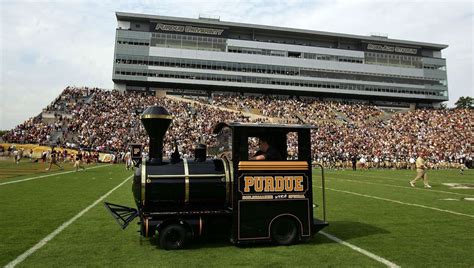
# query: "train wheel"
172,236
284,231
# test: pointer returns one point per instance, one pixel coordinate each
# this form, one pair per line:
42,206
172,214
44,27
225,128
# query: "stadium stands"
105,121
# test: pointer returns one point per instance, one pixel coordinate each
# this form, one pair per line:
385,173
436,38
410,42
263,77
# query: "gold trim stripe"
186,181
227,180
184,175
200,225
273,165
146,227
143,179
231,200
156,116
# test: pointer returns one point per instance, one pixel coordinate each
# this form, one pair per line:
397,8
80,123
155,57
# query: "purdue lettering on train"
273,184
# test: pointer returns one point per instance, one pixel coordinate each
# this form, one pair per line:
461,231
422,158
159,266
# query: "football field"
57,219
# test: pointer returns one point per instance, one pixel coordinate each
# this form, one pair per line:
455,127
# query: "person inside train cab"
266,151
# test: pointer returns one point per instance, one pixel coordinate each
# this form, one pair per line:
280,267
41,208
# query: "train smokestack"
156,121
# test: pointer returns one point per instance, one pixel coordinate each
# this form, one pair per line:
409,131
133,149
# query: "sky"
46,46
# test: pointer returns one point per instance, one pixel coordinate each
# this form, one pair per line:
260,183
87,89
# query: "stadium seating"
106,121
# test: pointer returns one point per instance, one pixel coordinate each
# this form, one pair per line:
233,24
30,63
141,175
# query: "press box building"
208,55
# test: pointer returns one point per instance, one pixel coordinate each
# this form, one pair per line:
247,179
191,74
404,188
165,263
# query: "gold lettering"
299,183
249,181
269,181
279,184
273,184
288,183
258,184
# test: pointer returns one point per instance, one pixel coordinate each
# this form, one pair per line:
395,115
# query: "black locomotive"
178,199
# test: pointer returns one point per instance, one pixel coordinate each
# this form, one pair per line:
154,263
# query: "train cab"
272,196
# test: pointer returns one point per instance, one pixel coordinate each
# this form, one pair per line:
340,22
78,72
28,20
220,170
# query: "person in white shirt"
15,156
128,160
412,163
363,162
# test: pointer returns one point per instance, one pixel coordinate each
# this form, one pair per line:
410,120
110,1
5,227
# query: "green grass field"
374,210
8,168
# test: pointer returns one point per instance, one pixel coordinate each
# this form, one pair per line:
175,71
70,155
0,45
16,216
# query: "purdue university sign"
188,29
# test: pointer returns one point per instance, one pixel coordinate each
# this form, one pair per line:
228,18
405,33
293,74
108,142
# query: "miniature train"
256,201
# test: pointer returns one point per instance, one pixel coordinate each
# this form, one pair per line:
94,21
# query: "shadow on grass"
345,230
200,243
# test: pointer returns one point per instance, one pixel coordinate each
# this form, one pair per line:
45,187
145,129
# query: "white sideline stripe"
63,226
360,250
407,177
49,175
403,203
406,187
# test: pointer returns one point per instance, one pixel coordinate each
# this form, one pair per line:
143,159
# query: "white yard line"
406,187
406,177
360,250
403,203
63,226
48,175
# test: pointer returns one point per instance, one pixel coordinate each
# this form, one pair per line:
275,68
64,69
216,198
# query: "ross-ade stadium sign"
385,48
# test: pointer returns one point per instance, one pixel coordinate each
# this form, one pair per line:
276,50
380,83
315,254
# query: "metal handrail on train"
323,188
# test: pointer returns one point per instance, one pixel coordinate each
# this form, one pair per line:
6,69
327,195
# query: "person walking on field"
128,160
421,171
54,160
78,163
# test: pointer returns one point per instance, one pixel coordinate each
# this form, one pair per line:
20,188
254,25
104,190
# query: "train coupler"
122,215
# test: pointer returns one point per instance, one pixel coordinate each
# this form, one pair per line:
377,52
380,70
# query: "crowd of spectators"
33,130
108,121
360,130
